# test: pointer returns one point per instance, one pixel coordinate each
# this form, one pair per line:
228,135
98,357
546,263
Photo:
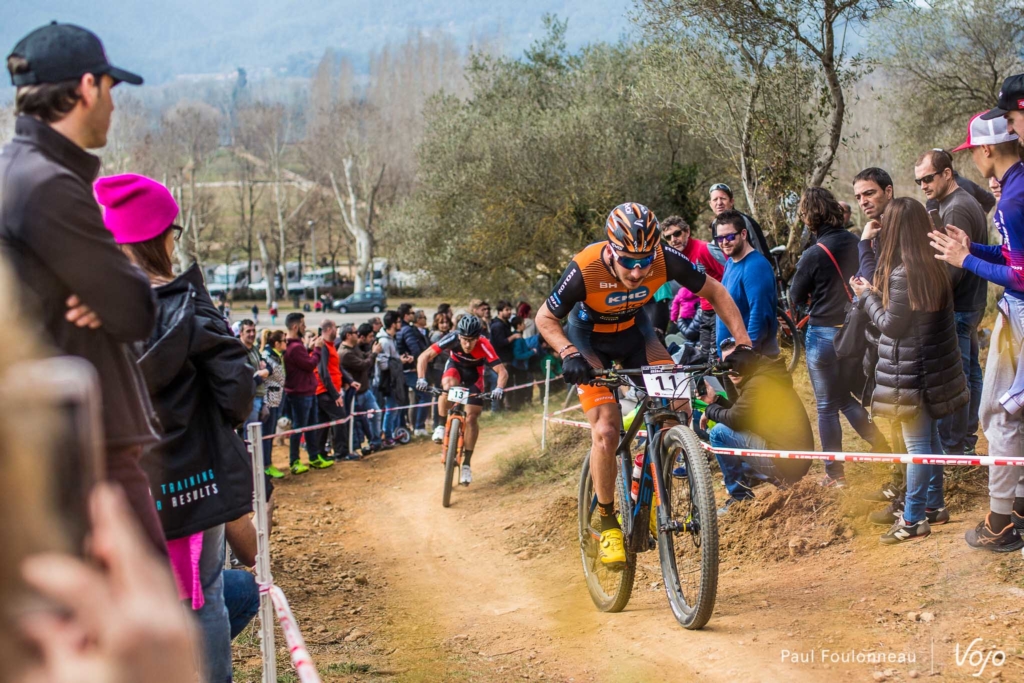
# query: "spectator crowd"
892,330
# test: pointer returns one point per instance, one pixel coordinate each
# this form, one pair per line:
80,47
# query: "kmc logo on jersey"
620,298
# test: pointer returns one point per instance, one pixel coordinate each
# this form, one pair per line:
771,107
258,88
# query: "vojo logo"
620,298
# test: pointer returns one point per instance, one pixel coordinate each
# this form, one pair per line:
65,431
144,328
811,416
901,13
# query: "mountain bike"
687,520
452,446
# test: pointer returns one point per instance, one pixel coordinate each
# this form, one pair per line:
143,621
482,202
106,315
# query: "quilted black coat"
919,364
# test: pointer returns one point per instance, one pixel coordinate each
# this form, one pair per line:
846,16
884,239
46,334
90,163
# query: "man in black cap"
1010,105
88,299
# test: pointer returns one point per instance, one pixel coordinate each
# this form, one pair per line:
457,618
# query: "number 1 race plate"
458,395
662,381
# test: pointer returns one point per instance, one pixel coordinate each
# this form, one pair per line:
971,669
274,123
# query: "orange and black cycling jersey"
589,290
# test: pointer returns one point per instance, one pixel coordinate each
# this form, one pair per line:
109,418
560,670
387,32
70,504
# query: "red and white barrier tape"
970,460
578,406
301,660
973,460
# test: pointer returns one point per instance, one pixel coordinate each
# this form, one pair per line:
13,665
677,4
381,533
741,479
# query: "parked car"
375,301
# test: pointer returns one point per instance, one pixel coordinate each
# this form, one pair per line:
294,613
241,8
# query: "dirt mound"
555,530
780,524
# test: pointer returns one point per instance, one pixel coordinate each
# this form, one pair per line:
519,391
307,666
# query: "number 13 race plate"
663,382
458,395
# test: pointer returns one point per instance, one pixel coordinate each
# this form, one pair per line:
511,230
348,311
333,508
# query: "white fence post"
547,392
263,577
352,426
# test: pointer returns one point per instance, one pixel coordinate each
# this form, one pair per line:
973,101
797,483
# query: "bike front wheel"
609,589
451,459
688,529
789,340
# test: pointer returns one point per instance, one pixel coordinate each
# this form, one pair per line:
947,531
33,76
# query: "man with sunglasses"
602,293
934,174
750,281
677,233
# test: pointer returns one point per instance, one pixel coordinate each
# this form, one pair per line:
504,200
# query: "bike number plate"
458,395
662,381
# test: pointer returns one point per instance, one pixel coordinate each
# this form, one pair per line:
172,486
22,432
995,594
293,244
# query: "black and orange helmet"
633,228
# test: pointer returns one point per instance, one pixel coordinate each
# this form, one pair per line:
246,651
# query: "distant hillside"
163,40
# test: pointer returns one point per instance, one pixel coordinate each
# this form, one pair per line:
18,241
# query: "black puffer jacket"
202,388
919,362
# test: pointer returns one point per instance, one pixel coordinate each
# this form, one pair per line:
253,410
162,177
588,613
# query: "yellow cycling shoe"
613,553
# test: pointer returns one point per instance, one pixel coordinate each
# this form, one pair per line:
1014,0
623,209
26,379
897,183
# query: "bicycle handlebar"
485,396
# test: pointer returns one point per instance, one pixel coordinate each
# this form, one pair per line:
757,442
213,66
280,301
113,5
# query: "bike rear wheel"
789,339
451,459
610,590
688,529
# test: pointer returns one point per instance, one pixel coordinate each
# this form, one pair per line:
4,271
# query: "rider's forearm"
502,375
726,309
421,364
551,329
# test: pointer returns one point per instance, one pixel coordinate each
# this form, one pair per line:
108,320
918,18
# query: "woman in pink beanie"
202,388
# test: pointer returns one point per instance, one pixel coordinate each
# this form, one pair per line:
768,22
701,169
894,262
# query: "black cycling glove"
575,369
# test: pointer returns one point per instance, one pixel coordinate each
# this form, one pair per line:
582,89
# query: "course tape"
904,458
301,660
324,425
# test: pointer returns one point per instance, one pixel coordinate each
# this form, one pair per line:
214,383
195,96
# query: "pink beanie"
136,208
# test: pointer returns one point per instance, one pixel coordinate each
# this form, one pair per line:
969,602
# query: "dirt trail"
388,583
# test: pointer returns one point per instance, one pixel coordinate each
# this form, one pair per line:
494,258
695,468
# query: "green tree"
521,174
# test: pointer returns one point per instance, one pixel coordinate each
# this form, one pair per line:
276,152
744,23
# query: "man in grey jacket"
87,298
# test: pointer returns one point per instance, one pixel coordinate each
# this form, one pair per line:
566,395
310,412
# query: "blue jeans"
832,394
214,621
303,414
419,415
736,469
924,482
392,418
242,598
367,427
257,406
959,431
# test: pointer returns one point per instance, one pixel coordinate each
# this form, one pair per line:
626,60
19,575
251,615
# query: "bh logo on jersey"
620,298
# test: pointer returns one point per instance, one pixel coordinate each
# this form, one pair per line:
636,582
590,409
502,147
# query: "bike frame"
455,410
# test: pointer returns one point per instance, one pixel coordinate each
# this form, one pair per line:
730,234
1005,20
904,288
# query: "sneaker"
352,457
970,450
836,483
679,472
613,552
1018,521
983,538
274,472
900,531
438,436
321,463
724,510
886,494
937,516
419,432
299,467
387,444
890,515
466,478
366,450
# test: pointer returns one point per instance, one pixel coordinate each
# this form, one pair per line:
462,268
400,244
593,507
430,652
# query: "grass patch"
348,668
527,465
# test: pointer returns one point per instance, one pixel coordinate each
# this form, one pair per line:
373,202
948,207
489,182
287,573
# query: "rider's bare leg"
605,427
472,427
442,400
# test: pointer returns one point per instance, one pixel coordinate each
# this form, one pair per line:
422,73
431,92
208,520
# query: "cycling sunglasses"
731,237
721,186
631,263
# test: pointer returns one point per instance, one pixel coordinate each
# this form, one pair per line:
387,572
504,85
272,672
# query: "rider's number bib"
662,381
458,395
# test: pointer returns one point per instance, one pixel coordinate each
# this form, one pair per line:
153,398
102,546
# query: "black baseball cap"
64,52
1011,98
